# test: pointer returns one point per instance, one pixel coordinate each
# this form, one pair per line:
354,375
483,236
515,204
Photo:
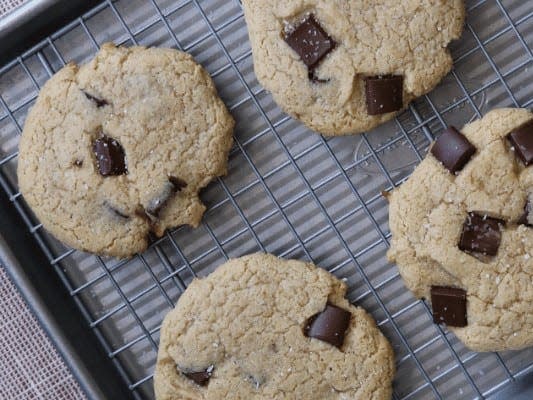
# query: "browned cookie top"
344,67
260,327
462,234
120,147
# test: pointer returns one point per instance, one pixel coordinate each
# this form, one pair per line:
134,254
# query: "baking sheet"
288,191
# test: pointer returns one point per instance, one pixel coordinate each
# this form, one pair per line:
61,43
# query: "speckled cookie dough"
461,230
260,327
344,67
120,147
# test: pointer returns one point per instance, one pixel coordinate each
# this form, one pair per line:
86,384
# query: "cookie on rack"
119,147
462,231
344,67
260,327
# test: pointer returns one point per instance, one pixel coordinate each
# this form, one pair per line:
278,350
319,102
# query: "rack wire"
289,191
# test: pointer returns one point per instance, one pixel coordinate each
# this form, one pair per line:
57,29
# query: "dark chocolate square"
201,378
449,306
311,42
522,141
110,156
384,94
481,234
453,150
99,102
329,325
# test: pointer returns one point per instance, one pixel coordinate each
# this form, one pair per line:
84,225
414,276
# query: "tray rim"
35,20
521,388
50,327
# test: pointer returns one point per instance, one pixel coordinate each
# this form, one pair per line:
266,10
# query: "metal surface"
288,191
29,22
521,389
52,330
22,14
57,311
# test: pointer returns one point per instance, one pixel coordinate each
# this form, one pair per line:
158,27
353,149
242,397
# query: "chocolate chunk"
522,141
201,377
78,163
315,79
453,150
384,94
330,325
115,211
110,156
524,219
481,234
311,42
99,102
118,213
449,306
177,183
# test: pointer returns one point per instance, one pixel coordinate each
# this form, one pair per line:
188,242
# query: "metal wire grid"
318,202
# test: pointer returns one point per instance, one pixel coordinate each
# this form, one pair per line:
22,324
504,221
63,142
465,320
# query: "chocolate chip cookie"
462,230
344,67
120,147
264,328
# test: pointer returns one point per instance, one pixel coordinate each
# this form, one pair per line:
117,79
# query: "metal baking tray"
288,191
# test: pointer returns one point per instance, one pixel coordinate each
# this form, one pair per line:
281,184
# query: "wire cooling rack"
289,192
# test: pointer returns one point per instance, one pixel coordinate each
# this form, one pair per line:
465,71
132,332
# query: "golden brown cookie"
462,234
260,327
120,147
344,67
